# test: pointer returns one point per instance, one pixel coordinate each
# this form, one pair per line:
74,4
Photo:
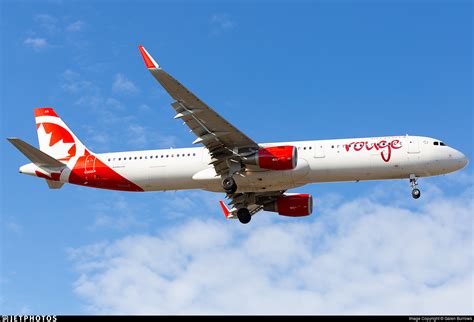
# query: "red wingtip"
45,111
146,58
224,209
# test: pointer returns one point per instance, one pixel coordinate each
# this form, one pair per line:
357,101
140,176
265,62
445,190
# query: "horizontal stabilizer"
36,156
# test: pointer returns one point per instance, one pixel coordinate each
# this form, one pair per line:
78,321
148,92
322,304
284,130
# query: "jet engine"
283,157
294,205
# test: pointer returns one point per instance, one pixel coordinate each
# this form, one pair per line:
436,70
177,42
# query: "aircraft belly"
257,180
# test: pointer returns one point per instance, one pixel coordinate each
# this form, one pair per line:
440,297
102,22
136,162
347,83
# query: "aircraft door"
413,145
319,151
89,164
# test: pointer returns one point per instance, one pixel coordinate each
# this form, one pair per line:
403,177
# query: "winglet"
224,209
149,61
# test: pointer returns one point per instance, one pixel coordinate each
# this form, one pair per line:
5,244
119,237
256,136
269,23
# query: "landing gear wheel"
416,193
229,185
244,215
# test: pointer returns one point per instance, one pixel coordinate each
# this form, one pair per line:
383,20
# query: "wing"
253,201
222,139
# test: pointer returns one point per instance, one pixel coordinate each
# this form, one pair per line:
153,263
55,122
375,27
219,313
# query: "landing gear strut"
229,185
415,192
244,215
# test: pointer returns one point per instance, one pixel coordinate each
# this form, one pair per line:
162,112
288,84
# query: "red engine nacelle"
283,157
297,205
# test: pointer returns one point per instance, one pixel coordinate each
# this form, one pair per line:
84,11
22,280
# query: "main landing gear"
415,192
229,185
244,215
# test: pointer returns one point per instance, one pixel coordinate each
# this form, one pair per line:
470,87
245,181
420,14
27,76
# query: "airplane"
254,176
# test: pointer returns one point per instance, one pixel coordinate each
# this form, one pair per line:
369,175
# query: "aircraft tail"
55,138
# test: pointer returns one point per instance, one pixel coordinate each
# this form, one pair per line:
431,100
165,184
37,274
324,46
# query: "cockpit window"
435,142
442,143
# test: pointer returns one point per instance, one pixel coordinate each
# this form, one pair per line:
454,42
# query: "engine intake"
297,205
283,157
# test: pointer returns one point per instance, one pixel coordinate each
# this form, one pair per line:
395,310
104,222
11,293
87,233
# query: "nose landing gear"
415,192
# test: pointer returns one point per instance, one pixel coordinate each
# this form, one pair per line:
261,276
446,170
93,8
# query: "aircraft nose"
463,160
460,159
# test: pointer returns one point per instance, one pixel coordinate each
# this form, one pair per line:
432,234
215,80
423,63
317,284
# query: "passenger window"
109,159
140,158
194,154
304,148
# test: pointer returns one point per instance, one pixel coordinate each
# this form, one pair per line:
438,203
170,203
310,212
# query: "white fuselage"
376,158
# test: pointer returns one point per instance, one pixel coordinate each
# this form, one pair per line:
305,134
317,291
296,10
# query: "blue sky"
278,71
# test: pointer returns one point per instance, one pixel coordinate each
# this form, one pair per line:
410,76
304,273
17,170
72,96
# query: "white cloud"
115,213
123,85
73,83
179,204
47,23
45,19
144,108
37,44
140,137
361,257
14,227
75,26
97,136
54,31
220,22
